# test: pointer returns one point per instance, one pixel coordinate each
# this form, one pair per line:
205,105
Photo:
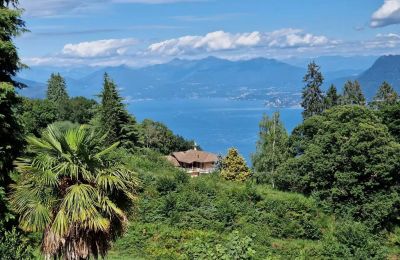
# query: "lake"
215,124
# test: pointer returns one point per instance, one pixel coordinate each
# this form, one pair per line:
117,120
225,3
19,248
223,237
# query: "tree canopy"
272,147
349,162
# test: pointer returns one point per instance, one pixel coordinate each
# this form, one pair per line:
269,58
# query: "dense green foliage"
72,191
272,148
11,139
114,120
352,94
210,218
332,97
386,96
158,137
349,162
234,166
313,98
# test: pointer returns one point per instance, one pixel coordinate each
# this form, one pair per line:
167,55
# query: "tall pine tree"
57,93
352,94
57,89
11,140
272,148
114,119
313,98
386,95
332,97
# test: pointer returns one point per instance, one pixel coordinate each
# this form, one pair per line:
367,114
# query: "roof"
192,156
172,160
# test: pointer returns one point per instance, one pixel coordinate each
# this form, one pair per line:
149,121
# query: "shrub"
349,161
352,240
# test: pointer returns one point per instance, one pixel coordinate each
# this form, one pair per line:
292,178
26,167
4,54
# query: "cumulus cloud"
220,40
387,14
101,48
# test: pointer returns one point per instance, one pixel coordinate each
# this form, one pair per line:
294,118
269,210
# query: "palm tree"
72,190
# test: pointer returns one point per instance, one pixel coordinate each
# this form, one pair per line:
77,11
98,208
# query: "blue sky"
141,32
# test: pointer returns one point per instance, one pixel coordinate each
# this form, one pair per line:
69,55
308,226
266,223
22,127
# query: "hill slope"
386,68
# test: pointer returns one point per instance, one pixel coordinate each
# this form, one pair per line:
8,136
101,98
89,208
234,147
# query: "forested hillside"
82,179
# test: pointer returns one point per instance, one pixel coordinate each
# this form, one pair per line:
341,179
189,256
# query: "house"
194,162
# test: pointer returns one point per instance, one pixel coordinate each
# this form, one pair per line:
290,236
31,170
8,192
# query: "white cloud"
101,48
213,41
220,40
387,14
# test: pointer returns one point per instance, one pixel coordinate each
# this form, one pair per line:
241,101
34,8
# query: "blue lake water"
215,124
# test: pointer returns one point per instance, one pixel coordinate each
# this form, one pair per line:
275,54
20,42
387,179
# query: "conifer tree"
114,120
332,97
386,95
352,94
272,147
56,89
10,128
234,167
57,93
11,26
313,98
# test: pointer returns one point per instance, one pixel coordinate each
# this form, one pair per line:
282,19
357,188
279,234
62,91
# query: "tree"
386,95
72,191
313,98
158,137
82,110
11,141
352,94
390,115
234,167
114,120
272,147
11,135
37,114
350,164
11,26
332,97
57,93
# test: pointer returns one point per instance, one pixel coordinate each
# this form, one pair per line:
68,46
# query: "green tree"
390,115
313,98
272,147
72,191
352,94
37,114
350,163
57,93
386,95
11,136
82,110
158,137
332,97
11,26
114,120
234,166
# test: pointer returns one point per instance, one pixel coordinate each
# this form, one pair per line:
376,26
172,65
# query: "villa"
194,162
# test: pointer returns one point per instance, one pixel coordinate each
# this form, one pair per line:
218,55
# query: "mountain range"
277,82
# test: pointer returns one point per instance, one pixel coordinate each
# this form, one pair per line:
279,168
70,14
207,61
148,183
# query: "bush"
13,247
352,240
349,162
235,248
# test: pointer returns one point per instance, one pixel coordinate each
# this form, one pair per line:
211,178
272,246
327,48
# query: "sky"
73,33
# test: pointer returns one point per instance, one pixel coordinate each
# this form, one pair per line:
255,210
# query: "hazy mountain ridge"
271,80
